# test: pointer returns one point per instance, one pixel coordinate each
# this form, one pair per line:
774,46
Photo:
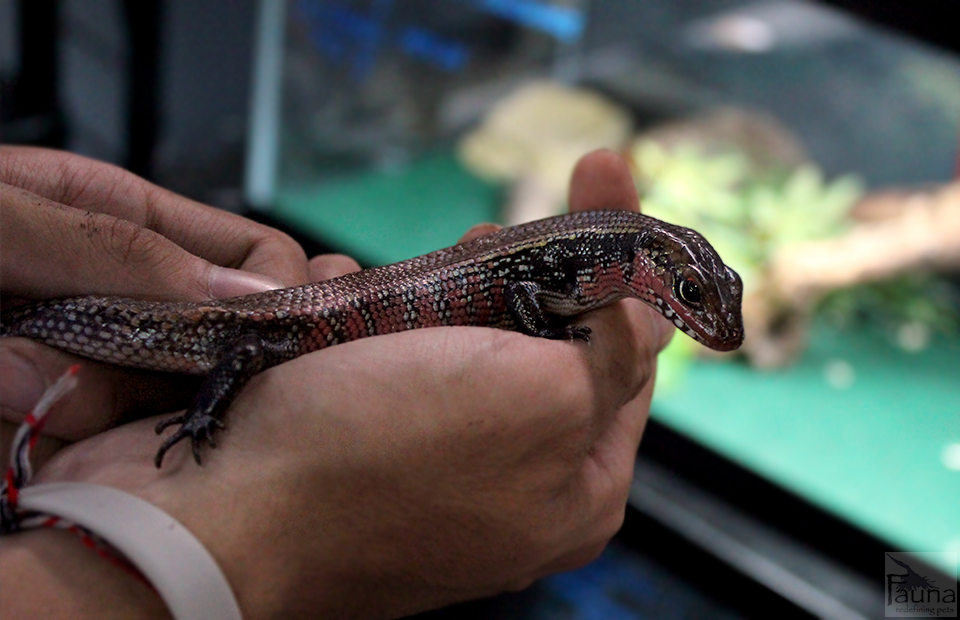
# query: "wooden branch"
924,235
898,233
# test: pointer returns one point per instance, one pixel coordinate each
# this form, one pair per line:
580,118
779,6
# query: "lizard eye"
688,292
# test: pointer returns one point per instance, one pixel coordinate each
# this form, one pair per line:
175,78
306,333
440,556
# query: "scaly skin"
530,278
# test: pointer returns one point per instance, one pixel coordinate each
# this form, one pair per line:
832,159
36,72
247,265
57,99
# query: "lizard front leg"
521,298
236,367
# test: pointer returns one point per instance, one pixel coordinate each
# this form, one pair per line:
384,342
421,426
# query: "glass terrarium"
816,152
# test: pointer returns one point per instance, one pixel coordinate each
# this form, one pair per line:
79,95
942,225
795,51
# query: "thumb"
478,231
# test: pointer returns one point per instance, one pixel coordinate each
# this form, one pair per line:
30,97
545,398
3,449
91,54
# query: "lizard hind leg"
239,363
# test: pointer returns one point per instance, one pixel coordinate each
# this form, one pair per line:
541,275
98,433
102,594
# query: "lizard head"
688,283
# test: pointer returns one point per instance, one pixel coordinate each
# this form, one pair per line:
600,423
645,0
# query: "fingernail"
479,230
21,385
226,282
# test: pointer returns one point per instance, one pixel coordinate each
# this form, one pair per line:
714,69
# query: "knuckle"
592,552
610,523
265,250
278,242
627,376
520,583
327,266
544,531
72,183
621,483
131,245
23,379
284,241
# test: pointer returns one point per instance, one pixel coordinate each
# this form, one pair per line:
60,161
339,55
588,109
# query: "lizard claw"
570,332
198,427
162,424
578,332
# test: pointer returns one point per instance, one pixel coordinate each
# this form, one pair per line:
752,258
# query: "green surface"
385,217
871,450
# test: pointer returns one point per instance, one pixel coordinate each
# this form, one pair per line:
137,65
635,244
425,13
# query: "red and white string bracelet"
122,528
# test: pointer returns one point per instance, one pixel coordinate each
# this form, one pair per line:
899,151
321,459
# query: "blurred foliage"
923,300
749,213
746,212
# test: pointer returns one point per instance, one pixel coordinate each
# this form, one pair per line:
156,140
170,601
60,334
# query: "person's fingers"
328,266
51,250
219,237
602,180
44,448
479,230
104,395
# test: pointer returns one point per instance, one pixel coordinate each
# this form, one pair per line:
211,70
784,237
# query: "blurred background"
815,144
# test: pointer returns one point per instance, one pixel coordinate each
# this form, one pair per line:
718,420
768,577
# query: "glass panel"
375,92
797,135
815,151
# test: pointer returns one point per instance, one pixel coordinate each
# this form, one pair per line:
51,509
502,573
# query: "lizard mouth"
724,338
680,321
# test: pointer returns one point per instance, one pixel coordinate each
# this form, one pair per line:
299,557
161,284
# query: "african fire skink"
532,278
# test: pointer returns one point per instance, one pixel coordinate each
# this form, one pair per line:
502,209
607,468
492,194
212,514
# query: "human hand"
75,226
404,472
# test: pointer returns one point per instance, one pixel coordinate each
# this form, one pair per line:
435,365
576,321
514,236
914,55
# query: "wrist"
53,575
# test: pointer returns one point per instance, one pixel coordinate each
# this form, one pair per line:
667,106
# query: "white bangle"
183,572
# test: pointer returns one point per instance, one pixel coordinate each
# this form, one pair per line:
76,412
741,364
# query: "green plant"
747,213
